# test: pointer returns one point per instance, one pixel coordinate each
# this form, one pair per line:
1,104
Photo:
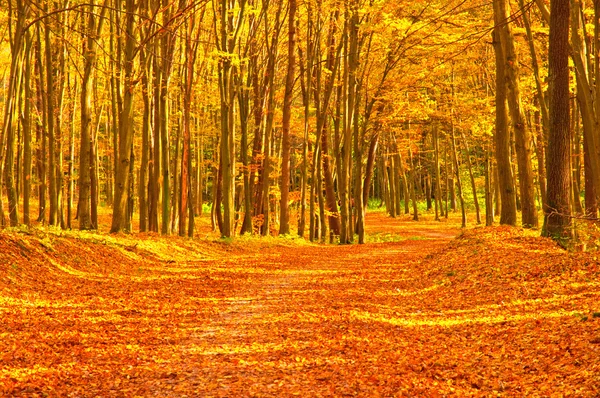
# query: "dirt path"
275,321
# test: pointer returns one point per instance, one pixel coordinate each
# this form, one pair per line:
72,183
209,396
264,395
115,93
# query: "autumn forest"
314,198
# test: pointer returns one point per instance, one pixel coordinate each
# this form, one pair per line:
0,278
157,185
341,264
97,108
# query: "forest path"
381,319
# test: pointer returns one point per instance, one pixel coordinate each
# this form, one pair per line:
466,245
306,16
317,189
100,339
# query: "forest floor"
424,309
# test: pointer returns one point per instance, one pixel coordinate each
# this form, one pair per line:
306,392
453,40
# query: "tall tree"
93,30
508,213
284,218
522,135
11,115
229,17
186,207
119,217
557,217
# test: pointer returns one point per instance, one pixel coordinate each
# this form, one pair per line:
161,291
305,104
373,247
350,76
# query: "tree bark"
557,220
508,213
284,218
471,177
436,165
11,113
522,135
458,179
93,31
230,16
119,218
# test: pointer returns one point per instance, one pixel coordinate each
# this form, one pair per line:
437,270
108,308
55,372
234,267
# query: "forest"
286,118
315,198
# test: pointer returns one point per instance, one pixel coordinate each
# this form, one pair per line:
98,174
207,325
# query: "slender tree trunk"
145,166
508,213
322,219
436,165
307,78
540,154
176,163
447,179
156,162
472,177
489,200
186,203
229,19
394,209
402,183
541,97
522,135
93,30
575,160
284,218
41,126
591,202
95,175
71,172
119,217
413,182
27,139
458,179
369,170
8,135
50,96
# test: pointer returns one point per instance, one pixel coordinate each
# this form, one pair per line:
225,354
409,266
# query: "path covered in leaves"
493,312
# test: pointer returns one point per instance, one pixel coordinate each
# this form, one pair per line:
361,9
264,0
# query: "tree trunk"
591,202
541,98
522,134
369,169
436,165
40,153
284,218
540,154
413,183
471,176
11,114
230,17
187,203
119,217
508,213
27,139
557,220
93,31
145,166
575,160
53,217
489,200
458,179
393,209
306,79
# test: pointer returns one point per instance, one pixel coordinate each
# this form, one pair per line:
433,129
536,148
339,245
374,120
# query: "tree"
557,215
11,114
284,218
229,17
508,214
125,123
522,134
93,31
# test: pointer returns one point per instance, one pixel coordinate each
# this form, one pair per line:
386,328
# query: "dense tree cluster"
294,117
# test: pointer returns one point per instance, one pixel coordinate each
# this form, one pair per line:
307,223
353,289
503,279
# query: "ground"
424,309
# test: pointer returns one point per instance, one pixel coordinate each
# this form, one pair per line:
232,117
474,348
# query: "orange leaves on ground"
496,311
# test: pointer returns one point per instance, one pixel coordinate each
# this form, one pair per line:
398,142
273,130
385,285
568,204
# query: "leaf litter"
495,312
